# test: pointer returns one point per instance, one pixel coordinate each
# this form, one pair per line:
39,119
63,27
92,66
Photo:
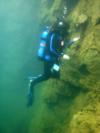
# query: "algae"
72,103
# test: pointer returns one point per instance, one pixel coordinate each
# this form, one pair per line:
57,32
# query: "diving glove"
75,39
66,57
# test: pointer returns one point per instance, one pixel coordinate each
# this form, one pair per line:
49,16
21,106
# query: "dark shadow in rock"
67,95
84,70
98,21
71,4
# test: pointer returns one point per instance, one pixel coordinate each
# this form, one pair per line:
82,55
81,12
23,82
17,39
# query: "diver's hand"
75,39
66,57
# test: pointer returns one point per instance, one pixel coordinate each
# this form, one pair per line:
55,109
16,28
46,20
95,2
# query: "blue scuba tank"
41,50
43,43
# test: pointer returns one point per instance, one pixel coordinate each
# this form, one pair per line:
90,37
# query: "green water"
19,30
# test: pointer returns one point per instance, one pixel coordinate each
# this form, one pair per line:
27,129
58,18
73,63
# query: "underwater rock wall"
72,104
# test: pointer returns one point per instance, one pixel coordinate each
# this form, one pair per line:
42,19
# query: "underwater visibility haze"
70,104
19,29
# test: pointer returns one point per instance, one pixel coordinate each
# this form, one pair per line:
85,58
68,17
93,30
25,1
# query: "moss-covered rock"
88,119
49,13
72,103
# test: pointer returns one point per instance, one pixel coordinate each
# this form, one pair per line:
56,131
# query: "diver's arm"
70,42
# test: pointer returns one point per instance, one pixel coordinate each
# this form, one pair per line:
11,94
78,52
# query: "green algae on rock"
72,103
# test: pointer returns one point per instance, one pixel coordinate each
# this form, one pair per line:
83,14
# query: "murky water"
19,29
19,38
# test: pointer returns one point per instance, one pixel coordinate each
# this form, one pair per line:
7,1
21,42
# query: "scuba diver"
50,51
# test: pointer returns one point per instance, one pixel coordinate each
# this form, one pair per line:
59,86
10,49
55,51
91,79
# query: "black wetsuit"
55,52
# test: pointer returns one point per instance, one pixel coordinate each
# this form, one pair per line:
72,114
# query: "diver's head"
60,27
47,27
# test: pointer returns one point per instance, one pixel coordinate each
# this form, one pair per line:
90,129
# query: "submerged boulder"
72,103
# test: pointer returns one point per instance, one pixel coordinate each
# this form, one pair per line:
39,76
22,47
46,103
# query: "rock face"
72,104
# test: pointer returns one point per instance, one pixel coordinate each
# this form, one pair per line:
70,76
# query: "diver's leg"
33,81
38,79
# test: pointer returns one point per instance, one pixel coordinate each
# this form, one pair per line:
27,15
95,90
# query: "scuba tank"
43,44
